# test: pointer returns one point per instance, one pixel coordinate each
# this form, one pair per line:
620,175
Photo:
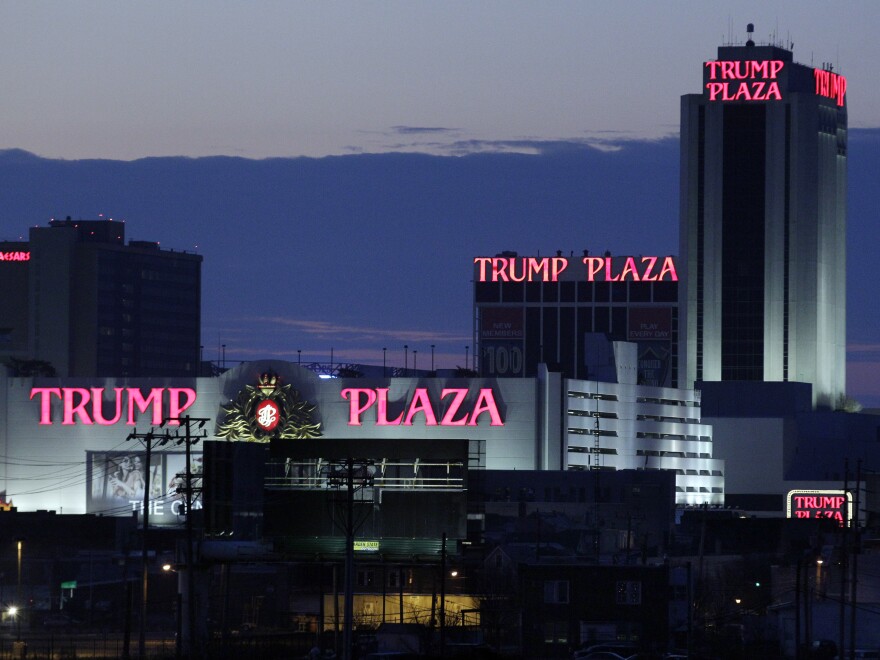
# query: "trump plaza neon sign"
457,413
830,85
744,80
81,405
827,504
758,80
548,269
86,405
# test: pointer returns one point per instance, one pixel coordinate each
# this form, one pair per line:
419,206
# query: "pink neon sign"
834,506
831,85
744,80
362,399
548,269
85,405
15,256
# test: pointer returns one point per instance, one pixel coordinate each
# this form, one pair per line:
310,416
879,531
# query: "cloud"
863,351
447,141
863,382
608,142
328,330
414,130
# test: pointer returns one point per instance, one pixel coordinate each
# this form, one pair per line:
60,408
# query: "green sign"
366,546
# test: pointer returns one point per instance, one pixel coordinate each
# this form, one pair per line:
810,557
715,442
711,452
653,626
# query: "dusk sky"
124,80
363,252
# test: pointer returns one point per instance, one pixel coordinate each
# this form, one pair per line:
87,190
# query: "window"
555,632
556,591
628,592
365,578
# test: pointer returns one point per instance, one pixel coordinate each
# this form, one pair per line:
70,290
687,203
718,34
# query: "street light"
13,612
18,595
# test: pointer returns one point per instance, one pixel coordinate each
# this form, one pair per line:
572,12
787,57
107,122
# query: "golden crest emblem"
268,411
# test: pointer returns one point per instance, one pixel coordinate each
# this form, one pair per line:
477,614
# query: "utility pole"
797,609
443,596
186,435
844,564
352,474
147,439
855,565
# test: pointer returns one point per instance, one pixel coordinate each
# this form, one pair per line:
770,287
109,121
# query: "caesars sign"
15,256
828,504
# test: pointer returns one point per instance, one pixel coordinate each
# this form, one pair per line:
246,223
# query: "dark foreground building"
77,297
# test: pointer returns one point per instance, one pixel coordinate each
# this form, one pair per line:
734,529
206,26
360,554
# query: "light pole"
415,361
18,609
18,593
432,358
384,373
405,359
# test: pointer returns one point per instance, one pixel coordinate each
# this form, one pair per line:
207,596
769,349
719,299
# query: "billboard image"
502,332
651,329
116,481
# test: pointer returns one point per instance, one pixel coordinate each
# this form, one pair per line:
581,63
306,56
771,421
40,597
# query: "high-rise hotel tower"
763,222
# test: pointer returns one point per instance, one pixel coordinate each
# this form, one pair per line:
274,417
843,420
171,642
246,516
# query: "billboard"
651,329
502,332
116,480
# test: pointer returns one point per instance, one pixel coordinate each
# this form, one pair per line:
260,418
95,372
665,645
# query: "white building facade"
69,446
